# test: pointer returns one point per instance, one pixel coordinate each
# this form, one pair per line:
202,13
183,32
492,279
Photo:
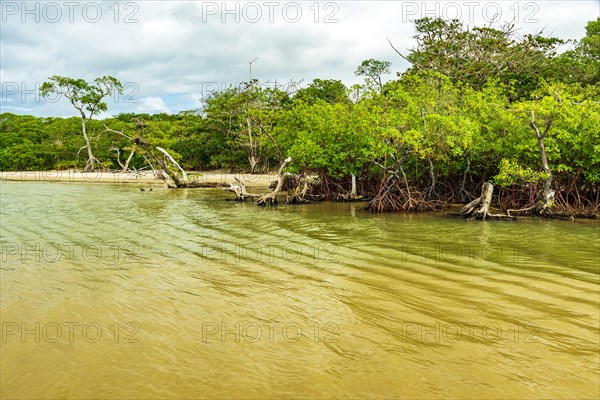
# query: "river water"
111,292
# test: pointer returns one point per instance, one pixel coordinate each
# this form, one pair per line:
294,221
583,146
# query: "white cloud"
177,49
152,105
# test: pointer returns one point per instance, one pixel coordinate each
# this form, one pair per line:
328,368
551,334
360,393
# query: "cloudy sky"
168,54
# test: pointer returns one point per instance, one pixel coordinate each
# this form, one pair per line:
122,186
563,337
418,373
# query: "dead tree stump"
479,208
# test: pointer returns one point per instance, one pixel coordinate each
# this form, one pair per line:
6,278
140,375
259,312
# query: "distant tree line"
477,104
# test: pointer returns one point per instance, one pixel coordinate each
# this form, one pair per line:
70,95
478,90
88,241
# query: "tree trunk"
126,166
253,163
119,157
353,190
547,199
351,195
90,164
170,158
279,155
252,156
462,192
271,198
479,208
401,169
304,188
156,174
430,193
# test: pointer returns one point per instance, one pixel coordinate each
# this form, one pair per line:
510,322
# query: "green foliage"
591,41
466,104
333,138
244,118
30,143
582,63
330,90
511,173
476,55
82,95
87,98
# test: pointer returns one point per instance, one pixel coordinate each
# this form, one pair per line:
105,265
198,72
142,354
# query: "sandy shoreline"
218,177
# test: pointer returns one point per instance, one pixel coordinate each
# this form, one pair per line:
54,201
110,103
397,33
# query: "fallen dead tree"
174,177
240,191
271,198
263,199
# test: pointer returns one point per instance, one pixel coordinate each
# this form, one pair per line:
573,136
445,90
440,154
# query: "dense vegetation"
476,105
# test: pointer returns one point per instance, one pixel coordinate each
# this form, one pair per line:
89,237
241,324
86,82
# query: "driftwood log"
240,191
263,199
271,198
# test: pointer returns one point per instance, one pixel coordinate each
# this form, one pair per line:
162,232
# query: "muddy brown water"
110,292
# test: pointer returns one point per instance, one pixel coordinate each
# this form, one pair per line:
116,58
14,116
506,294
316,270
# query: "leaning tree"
87,98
